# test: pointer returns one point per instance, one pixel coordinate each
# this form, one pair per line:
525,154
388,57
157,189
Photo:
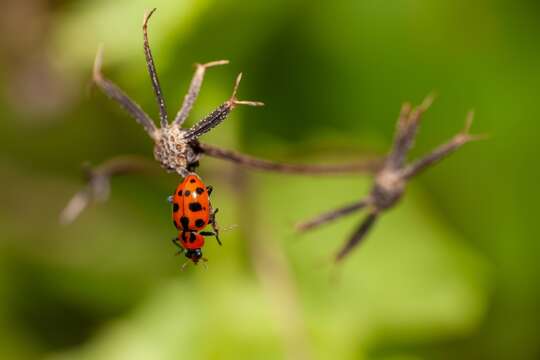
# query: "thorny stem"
218,115
368,166
391,179
115,93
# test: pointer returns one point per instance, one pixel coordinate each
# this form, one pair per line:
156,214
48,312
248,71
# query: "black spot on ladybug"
185,222
179,192
199,222
192,181
175,207
175,224
195,206
199,190
192,237
184,237
187,193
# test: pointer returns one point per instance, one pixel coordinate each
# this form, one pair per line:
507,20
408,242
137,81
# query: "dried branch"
115,93
368,166
358,235
97,187
153,72
332,215
217,116
442,151
178,150
193,91
392,177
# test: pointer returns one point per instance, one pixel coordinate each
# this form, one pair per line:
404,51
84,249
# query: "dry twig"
391,179
367,165
98,185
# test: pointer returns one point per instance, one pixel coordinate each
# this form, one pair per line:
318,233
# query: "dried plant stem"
193,91
332,215
358,235
153,72
368,166
115,93
391,179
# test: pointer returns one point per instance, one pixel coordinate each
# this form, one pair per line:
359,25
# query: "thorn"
236,84
146,17
427,102
96,71
468,122
249,103
74,207
465,135
214,63
234,101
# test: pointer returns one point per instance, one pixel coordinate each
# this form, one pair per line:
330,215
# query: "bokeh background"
451,273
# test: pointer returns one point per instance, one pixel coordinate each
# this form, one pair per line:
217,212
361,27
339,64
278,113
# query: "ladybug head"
194,255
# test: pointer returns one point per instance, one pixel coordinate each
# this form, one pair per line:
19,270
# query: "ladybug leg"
184,265
209,189
176,243
215,225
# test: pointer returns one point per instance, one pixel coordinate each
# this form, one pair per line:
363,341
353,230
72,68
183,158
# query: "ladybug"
192,212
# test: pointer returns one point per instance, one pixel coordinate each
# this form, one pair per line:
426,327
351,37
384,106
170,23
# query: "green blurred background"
451,273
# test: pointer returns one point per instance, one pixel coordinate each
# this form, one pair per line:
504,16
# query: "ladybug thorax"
172,151
191,240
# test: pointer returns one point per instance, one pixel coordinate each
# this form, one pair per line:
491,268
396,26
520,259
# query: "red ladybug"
192,212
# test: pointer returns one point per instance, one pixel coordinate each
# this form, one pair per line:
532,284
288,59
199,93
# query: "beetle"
192,211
